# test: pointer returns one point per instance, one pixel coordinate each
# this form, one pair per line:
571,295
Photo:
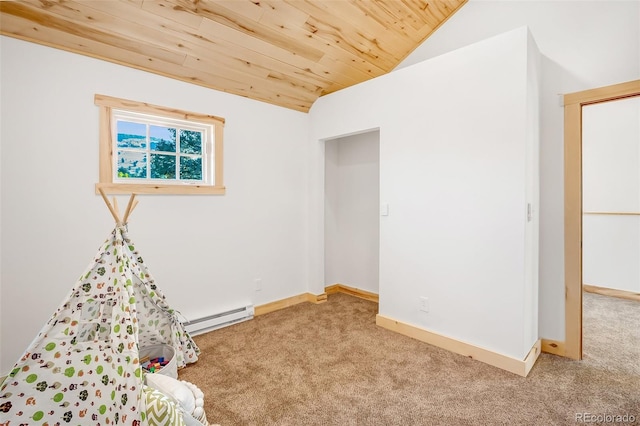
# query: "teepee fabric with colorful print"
83,367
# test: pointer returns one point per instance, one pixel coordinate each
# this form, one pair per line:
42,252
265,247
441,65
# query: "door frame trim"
573,103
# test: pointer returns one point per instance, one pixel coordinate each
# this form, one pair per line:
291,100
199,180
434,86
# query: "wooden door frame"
573,103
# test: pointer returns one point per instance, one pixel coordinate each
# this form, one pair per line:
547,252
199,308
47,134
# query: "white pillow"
174,389
198,413
189,420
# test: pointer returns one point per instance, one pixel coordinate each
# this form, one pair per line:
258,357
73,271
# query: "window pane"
191,168
163,166
131,135
132,164
190,142
162,138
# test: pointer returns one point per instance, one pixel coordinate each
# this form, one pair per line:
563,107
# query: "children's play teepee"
83,367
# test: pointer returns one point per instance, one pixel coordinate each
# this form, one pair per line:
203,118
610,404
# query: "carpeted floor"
611,334
329,364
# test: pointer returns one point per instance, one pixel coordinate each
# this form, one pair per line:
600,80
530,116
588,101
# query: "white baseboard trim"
504,362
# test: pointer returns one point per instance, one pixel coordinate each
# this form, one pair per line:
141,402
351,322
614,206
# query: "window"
95,320
152,150
148,149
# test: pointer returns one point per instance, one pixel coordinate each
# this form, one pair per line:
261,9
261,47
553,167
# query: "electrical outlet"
424,304
258,283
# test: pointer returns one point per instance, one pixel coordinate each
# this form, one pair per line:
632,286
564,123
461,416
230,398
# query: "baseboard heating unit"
216,321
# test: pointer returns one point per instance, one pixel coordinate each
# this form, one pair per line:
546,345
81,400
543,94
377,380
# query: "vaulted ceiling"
285,52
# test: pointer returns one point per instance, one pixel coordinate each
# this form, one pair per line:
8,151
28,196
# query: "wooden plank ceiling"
285,52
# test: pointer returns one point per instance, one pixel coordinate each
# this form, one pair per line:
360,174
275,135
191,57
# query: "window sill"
142,188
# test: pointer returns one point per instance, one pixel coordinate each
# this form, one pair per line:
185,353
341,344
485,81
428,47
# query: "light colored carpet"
611,334
329,364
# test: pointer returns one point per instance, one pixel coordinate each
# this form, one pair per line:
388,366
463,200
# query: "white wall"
332,252
611,183
584,44
453,132
352,214
204,251
532,178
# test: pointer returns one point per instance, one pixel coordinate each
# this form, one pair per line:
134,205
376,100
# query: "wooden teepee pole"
111,209
132,205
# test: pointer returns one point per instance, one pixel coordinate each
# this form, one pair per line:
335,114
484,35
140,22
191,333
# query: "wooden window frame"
107,104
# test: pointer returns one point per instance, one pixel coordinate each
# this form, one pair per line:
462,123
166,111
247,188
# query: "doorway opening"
352,216
573,192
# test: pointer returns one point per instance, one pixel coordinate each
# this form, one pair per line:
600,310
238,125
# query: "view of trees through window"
148,151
